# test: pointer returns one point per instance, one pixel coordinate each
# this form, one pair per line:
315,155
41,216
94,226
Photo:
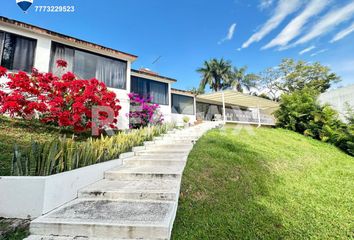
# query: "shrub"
301,112
64,101
64,154
143,112
186,119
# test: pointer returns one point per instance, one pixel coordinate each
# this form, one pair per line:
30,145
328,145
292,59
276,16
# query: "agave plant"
65,154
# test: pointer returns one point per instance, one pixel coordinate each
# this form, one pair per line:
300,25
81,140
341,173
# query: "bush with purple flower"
143,112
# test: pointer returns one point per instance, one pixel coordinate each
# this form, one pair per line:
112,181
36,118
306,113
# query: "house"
340,99
24,46
183,104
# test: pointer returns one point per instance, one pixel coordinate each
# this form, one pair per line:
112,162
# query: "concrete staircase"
135,201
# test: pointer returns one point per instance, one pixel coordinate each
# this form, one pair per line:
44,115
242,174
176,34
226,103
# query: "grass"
16,235
13,229
275,184
20,132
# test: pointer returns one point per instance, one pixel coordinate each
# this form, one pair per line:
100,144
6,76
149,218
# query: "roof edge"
43,31
153,75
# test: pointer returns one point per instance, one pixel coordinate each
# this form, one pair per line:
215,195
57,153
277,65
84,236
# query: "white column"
223,106
259,116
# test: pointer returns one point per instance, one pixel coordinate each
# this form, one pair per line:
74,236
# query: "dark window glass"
182,104
1,44
17,53
158,91
207,111
89,65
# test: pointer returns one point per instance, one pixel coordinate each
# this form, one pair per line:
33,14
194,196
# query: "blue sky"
184,33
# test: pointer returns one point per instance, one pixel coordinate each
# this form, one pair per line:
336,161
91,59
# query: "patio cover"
231,97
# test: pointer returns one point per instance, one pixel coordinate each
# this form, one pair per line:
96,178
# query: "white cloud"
307,50
264,4
343,33
230,33
283,9
327,22
294,28
319,52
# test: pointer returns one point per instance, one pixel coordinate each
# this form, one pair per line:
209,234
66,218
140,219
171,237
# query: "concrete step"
132,172
165,150
173,141
165,153
108,219
160,146
155,160
181,157
41,237
153,189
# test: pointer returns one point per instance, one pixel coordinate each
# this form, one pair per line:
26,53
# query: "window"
16,52
158,91
88,65
182,104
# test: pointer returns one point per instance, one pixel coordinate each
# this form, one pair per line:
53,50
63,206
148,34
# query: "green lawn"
21,132
275,184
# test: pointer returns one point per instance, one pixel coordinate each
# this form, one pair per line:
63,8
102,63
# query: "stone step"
108,220
153,189
165,153
187,146
177,157
173,141
156,161
41,237
165,150
132,172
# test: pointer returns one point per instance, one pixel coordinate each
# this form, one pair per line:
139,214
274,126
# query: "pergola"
234,98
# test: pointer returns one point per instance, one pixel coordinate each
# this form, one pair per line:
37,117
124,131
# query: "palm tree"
240,80
215,73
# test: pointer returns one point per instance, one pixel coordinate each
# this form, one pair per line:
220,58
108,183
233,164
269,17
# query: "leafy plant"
143,112
186,119
64,101
65,154
301,112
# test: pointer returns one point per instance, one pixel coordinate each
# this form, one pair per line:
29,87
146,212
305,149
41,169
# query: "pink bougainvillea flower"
61,63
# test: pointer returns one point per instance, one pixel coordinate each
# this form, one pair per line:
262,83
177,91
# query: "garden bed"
21,132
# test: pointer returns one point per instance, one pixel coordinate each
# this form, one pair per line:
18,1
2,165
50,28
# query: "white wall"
42,56
30,197
42,61
339,99
178,118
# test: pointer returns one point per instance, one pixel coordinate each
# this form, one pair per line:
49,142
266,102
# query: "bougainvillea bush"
143,112
65,101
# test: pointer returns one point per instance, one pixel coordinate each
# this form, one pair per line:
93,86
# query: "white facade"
339,99
31,197
179,118
165,109
43,54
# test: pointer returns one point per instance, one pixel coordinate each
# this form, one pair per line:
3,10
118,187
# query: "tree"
197,91
240,80
298,75
268,83
215,73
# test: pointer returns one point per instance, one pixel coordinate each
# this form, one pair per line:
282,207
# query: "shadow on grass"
222,190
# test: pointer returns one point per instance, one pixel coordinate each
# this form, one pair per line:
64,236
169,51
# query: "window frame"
21,36
51,61
194,107
167,98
